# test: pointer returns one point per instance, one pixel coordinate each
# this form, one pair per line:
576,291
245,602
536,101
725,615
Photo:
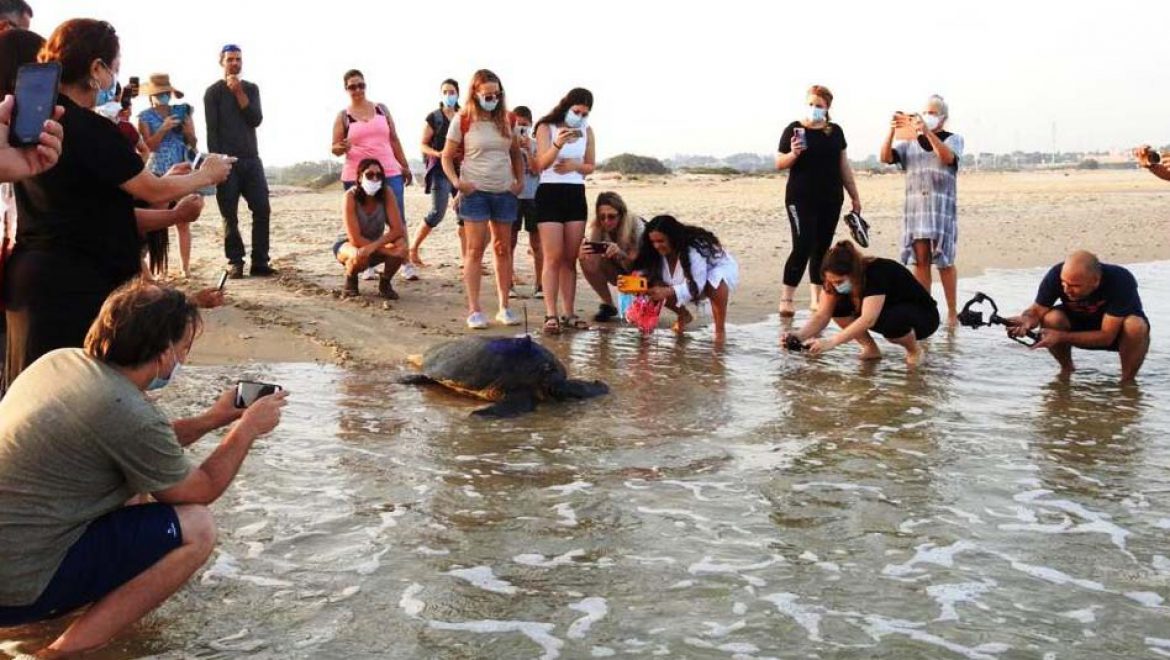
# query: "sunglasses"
373,176
488,98
353,87
608,216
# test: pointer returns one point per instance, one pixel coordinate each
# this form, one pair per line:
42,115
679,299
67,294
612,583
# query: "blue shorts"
115,549
482,206
1078,323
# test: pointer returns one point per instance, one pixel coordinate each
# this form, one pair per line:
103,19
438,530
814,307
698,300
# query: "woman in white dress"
687,264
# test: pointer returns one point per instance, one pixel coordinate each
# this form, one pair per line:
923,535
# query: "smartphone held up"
248,391
36,98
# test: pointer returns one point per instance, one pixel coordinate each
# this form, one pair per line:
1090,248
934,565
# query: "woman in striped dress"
930,217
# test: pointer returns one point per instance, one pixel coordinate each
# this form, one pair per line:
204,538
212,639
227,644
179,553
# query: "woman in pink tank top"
366,130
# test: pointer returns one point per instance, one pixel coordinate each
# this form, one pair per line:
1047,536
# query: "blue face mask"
487,106
450,100
844,288
107,94
573,120
157,383
163,99
817,115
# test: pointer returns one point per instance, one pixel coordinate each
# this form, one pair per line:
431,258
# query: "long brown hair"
471,108
76,43
846,260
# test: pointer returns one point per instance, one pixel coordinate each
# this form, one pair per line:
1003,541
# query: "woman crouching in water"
869,293
686,264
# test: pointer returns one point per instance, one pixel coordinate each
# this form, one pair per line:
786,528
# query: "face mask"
107,94
487,106
109,110
574,120
450,100
157,383
844,288
817,115
931,121
371,187
163,99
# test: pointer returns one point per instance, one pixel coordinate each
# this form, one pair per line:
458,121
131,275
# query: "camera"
248,391
1153,157
793,343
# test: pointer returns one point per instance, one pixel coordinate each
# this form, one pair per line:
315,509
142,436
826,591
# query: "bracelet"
558,146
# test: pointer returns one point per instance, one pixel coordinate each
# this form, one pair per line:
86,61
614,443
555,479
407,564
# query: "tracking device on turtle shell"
248,391
632,284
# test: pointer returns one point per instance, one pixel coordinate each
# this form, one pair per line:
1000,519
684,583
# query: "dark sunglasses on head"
353,87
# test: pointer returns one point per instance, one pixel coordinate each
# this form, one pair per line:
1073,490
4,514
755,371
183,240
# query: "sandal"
605,313
787,313
574,322
551,325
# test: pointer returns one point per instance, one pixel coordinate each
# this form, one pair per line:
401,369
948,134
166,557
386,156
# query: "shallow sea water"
734,503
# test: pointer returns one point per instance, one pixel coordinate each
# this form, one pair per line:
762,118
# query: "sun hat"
160,83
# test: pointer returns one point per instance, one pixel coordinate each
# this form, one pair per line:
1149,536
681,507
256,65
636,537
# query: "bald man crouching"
1099,310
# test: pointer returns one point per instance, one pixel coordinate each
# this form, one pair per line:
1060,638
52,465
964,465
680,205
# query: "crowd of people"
99,504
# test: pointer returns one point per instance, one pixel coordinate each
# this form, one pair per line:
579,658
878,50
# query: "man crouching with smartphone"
78,440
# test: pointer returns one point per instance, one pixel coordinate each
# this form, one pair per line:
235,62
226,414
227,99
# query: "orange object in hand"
634,284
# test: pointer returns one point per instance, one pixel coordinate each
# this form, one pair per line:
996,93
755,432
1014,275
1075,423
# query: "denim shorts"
115,549
482,206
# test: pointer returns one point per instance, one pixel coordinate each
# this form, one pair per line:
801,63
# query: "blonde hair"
626,234
823,93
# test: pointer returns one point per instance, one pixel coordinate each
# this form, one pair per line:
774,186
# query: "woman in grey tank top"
372,232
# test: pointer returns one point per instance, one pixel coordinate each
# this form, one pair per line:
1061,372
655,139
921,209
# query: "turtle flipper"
578,389
515,403
416,379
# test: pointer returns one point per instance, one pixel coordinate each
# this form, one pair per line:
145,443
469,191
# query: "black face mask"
924,143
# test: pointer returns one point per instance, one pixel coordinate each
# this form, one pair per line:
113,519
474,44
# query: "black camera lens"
1154,157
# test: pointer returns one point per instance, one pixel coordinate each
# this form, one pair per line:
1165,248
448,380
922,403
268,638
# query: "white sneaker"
477,321
409,272
370,274
508,317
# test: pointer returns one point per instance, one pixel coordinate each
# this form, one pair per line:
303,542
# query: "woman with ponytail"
686,264
869,293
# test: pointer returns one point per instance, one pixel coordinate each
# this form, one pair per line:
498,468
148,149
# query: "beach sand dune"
1007,220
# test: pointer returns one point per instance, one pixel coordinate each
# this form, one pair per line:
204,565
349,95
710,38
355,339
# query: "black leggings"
813,224
897,320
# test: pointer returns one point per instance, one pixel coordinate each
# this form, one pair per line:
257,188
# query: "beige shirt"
487,160
77,440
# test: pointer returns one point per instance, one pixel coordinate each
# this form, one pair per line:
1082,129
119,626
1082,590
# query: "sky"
672,78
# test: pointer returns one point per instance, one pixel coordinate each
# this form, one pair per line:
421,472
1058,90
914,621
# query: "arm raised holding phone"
17,163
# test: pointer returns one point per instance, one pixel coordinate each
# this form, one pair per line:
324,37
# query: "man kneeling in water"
1099,310
78,440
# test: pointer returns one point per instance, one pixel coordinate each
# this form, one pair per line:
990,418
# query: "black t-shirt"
1117,295
885,277
816,174
77,208
439,124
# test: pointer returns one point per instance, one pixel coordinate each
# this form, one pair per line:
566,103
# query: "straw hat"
160,83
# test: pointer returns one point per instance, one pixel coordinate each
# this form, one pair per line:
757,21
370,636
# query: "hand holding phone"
596,247
248,391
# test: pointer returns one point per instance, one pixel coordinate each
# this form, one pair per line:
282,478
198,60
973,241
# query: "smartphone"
524,131
133,86
180,113
127,95
36,97
198,161
904,130
248,391
632,284
798,133
222,281
596,247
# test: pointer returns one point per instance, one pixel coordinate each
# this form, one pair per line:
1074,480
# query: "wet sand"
1007,220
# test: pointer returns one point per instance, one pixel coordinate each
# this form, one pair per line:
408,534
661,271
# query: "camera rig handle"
973,318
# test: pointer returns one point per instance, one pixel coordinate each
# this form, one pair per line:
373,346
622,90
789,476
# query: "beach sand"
1006,220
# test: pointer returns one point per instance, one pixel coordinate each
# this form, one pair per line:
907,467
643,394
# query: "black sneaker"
605,313
235,271
261,270
386,289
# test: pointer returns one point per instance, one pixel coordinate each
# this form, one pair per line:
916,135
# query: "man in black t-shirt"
1099,310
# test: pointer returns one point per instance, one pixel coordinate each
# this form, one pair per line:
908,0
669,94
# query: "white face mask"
371,187
931,121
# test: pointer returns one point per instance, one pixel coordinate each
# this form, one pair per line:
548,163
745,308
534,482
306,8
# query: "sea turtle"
513,372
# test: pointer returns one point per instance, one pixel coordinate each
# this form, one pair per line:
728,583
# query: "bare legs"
537,257
600,273
923,258
1132,346
477,236
560,243
719,298
134,599
184,230
869,347
501,233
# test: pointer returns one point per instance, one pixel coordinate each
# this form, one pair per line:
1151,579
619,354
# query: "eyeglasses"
608,216
355,86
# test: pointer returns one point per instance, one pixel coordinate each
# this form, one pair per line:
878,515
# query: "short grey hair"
943,108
